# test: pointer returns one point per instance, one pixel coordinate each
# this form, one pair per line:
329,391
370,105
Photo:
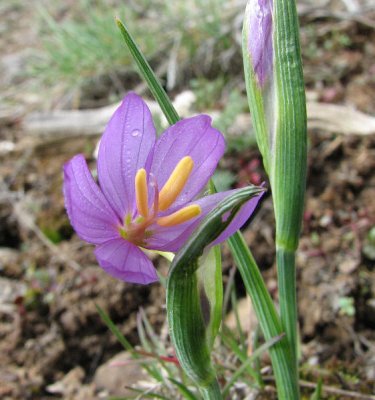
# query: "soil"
50,283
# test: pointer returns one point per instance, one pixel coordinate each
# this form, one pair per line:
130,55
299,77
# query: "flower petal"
89,212
259,20
194,137
125,148
240,219
173,238
125,261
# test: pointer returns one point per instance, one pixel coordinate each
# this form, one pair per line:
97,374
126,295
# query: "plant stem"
286,274
285,376
212,392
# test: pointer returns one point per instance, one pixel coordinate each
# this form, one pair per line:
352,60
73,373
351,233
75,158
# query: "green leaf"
317,395
210,280
268,318
187,322
148,74
230,341
183,390
113,328
260,350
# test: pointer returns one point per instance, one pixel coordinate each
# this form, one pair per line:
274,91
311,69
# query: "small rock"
325,221
120,371
72,379
8,257
70,387
6,147
183,103
246,315
348,266
10,290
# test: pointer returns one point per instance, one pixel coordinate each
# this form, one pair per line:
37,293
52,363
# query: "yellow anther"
175,183
141,192
180,216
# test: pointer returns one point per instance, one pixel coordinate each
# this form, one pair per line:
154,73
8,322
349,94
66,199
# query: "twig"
341,392
331,390
61,125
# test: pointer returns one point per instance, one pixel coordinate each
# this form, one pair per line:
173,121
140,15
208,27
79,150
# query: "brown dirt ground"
48,320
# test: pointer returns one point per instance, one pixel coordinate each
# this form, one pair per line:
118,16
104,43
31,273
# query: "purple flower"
146,196
259,20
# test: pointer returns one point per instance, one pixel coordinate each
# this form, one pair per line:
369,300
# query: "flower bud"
275,89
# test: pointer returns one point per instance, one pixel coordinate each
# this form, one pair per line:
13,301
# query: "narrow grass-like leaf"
155,344
155,373
231,342
148,74
317,395
268,318
210,280
256,364
259,351
158,345
184,390
113,328
143,394
240,331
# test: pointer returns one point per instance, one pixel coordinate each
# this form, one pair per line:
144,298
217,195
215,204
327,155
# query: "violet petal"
125,261
194,137
240,219
260,37
89,212
173,238
125,148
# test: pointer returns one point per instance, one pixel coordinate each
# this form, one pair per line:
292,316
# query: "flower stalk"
275,88
289,172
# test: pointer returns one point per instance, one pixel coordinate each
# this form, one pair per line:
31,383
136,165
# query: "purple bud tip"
260,37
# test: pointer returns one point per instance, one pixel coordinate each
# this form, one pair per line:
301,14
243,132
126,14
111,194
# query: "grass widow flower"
147,192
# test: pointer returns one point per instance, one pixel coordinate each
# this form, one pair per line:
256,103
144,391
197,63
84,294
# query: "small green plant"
346,306
368,248
52,234
39,291
82,48
207,92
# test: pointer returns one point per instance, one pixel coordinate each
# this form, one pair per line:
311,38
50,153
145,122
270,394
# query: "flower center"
136,231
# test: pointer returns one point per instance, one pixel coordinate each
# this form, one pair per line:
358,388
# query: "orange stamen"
141,192
180,216
175,183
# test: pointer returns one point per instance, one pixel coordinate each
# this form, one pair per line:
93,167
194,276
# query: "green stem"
212,392
285,376
286,273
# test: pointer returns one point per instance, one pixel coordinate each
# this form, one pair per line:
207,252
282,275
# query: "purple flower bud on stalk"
259,20
147,191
